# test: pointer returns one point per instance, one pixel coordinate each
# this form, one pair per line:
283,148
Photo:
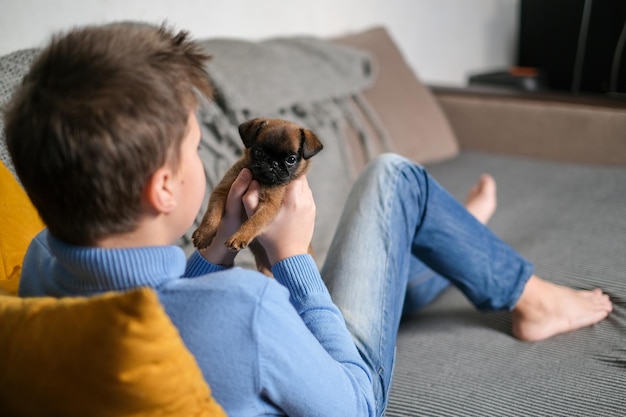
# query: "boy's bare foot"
546,309
481,200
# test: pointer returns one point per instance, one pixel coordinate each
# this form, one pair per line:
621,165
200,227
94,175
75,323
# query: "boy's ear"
159,193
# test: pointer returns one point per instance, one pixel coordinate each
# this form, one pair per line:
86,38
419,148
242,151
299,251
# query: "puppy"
276,151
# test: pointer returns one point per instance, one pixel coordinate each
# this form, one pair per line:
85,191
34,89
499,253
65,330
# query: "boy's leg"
425,284
423,287
396,211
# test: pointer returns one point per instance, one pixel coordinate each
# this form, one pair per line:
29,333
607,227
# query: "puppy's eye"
291,160
258,153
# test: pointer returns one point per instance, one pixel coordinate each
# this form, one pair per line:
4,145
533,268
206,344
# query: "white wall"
443,40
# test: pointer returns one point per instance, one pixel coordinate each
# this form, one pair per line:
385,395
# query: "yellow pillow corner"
19,222
10,285
118,353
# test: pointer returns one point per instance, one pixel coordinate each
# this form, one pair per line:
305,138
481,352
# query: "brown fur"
275,137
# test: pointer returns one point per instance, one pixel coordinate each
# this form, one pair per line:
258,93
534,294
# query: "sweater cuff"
197,266
300,275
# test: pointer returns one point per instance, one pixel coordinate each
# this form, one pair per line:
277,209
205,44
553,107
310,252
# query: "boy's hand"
290,233
216,252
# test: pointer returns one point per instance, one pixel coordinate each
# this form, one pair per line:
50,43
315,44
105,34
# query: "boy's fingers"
241,183
239,188
251,198
298,189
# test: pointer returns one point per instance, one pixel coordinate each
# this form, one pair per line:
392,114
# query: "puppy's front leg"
204,234
206,231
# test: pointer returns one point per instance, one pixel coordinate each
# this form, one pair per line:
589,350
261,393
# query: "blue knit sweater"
266,346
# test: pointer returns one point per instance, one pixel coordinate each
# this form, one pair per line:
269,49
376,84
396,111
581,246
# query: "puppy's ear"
309,143
249,131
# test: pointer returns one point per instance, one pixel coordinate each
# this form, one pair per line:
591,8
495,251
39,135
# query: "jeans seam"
398,167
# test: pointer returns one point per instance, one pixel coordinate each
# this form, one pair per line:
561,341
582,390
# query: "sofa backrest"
406,108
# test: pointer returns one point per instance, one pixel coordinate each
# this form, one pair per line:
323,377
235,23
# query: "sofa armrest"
547,126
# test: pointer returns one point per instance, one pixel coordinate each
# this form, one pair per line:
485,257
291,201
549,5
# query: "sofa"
560,165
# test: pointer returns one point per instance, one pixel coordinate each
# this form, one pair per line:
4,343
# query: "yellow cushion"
116,354
19,223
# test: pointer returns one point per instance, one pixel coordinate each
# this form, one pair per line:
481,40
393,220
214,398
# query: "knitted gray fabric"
13,67
278,74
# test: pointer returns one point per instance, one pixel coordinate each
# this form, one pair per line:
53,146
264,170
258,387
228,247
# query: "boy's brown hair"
101,109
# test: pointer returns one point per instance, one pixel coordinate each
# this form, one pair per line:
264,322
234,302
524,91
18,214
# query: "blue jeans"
402,239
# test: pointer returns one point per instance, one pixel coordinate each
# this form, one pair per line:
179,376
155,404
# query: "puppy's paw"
202,237
235,244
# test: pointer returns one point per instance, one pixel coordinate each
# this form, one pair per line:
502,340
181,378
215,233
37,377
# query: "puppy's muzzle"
271,174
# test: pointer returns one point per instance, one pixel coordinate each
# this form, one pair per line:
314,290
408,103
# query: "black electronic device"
579,45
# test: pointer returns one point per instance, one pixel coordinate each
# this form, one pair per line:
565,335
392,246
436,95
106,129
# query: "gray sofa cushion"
570,220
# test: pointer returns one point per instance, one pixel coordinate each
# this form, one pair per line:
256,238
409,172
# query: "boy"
104,139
